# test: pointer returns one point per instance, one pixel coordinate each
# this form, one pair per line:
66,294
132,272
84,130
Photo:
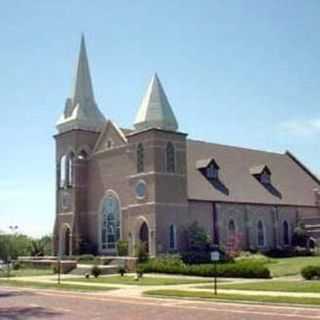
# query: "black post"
215,278
59,269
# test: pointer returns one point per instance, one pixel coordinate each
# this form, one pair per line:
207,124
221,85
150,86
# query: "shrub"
311,272
289,252
96,271
141,252
86,258
122,248
140,272
122,271
195,257
243,268
16,265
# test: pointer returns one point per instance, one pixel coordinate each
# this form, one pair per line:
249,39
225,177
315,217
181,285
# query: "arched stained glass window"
285,233
260,234
140,158
171,157
110,226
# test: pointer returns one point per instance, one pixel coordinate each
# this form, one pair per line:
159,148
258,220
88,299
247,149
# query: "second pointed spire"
155,110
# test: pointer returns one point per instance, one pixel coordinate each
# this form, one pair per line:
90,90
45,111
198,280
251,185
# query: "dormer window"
265,178
209,168
262,173
212,172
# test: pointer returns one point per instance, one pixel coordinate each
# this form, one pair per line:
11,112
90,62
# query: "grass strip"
145,281
233,297
280,286
61,286
280,267
26,272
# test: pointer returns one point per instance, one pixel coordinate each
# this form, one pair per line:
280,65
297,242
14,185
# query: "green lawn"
145,281
233,297
25,272
62,286
290,266
284,286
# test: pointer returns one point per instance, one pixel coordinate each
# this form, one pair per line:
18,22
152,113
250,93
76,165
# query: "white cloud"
302,127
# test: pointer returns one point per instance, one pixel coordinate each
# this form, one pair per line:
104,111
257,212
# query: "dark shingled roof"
291,183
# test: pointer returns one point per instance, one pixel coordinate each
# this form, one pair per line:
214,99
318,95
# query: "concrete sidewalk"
125,290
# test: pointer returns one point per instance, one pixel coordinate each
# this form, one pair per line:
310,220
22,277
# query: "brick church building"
149,183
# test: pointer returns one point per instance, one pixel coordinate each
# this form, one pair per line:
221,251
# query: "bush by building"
239,269
311,272
122,248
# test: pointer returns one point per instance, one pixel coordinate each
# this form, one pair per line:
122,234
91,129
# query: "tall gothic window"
285,233
171,157
140,158
63,171
172,237
260,234
110,226
70,169
231,229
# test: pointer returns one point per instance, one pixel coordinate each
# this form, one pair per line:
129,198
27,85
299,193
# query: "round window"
140,189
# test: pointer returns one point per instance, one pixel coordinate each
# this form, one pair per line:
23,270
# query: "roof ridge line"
236,147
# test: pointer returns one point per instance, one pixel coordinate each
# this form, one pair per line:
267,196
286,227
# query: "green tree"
197,237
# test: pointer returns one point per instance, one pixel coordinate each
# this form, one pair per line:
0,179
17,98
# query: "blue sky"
236,72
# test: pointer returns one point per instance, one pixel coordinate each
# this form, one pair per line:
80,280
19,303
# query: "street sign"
215,256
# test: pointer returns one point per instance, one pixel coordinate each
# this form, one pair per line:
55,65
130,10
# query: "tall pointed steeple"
155,110
81,111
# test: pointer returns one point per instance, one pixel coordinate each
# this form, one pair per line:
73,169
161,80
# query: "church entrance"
144,235
65,243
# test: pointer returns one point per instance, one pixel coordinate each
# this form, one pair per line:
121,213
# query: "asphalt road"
50,305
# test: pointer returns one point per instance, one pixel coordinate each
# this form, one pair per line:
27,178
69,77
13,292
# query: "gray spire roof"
155,110
81,111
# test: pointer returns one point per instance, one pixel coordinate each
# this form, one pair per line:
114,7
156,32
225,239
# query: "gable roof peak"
155,110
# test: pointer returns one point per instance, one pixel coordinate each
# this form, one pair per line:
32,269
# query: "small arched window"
70,169
285,227
260,234
63,171
140,158
171,157
172,237
231,229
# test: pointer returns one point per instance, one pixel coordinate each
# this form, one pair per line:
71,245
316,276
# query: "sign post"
59,268
215,257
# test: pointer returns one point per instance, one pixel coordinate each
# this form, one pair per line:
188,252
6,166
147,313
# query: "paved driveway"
32,304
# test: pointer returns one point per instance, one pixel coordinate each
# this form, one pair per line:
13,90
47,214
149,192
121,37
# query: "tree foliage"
15,245
197,238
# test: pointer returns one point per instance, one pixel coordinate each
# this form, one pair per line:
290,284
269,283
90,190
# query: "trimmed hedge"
239,269
311,272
